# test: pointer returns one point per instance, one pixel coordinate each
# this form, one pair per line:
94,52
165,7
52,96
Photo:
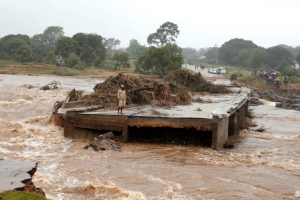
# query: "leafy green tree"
51,36
211,54
121,58
110,44
38,45
243,58
277,56
64,46
89,47
23,53
160,60
257,59
135,49
293,50
50,56
165,34
174,48
72,60
290,71
229,52
10,43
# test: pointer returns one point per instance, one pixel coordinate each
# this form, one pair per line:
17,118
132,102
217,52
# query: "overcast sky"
202,23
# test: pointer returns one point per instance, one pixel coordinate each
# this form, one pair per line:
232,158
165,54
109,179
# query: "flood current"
262,165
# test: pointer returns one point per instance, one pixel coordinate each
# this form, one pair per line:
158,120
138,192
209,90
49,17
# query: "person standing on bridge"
121,98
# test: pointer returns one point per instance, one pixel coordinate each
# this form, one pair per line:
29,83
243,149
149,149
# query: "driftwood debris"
172,90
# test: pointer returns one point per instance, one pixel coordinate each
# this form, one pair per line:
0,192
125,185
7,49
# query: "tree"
135,49
23,53
165,34
10,43
293,50
50,57
228,53
160,60
257,59
51,35
72,60
277,56
110,44
65,46
38,44
243,58
211,54
121,58
89,47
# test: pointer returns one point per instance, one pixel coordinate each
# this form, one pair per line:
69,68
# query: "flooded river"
262,165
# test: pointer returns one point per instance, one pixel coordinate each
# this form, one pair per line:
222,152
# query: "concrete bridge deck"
220,114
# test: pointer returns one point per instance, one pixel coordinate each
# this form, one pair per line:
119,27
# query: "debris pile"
103,142
172,90
194,82
138,91
51,86
74,95
57,119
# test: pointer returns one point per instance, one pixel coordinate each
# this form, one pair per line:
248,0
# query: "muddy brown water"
262,165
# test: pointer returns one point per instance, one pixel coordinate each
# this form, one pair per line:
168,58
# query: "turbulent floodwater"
262,165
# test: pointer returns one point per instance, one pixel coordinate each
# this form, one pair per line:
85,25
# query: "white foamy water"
262,165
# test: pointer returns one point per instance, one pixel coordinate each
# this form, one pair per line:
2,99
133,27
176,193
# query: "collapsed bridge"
213,120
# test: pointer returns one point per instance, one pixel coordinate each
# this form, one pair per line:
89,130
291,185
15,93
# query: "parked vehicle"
210,70
215,71
222,70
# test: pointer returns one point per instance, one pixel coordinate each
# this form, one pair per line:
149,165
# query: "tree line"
162,55
84,49
246,54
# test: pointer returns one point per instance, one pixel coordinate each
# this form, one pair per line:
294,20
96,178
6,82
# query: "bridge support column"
233,128
219,133
125,136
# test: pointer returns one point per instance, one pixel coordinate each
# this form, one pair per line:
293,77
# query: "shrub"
80,65
72,60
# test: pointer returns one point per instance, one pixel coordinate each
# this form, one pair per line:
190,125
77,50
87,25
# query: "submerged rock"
51,86
255,102
103,142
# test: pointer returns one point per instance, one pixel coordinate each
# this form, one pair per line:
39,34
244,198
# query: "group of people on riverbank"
272,78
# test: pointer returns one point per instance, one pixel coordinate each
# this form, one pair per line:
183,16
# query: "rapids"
262,165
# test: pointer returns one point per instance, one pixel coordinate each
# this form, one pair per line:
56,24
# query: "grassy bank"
108,68
20,195
31,68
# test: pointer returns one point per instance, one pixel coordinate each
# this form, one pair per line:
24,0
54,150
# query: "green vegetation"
31,68
236,52
135,49
160,60
167,56
83,51
164,35
20,195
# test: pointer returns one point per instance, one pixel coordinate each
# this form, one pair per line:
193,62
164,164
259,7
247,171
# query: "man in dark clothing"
285,80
